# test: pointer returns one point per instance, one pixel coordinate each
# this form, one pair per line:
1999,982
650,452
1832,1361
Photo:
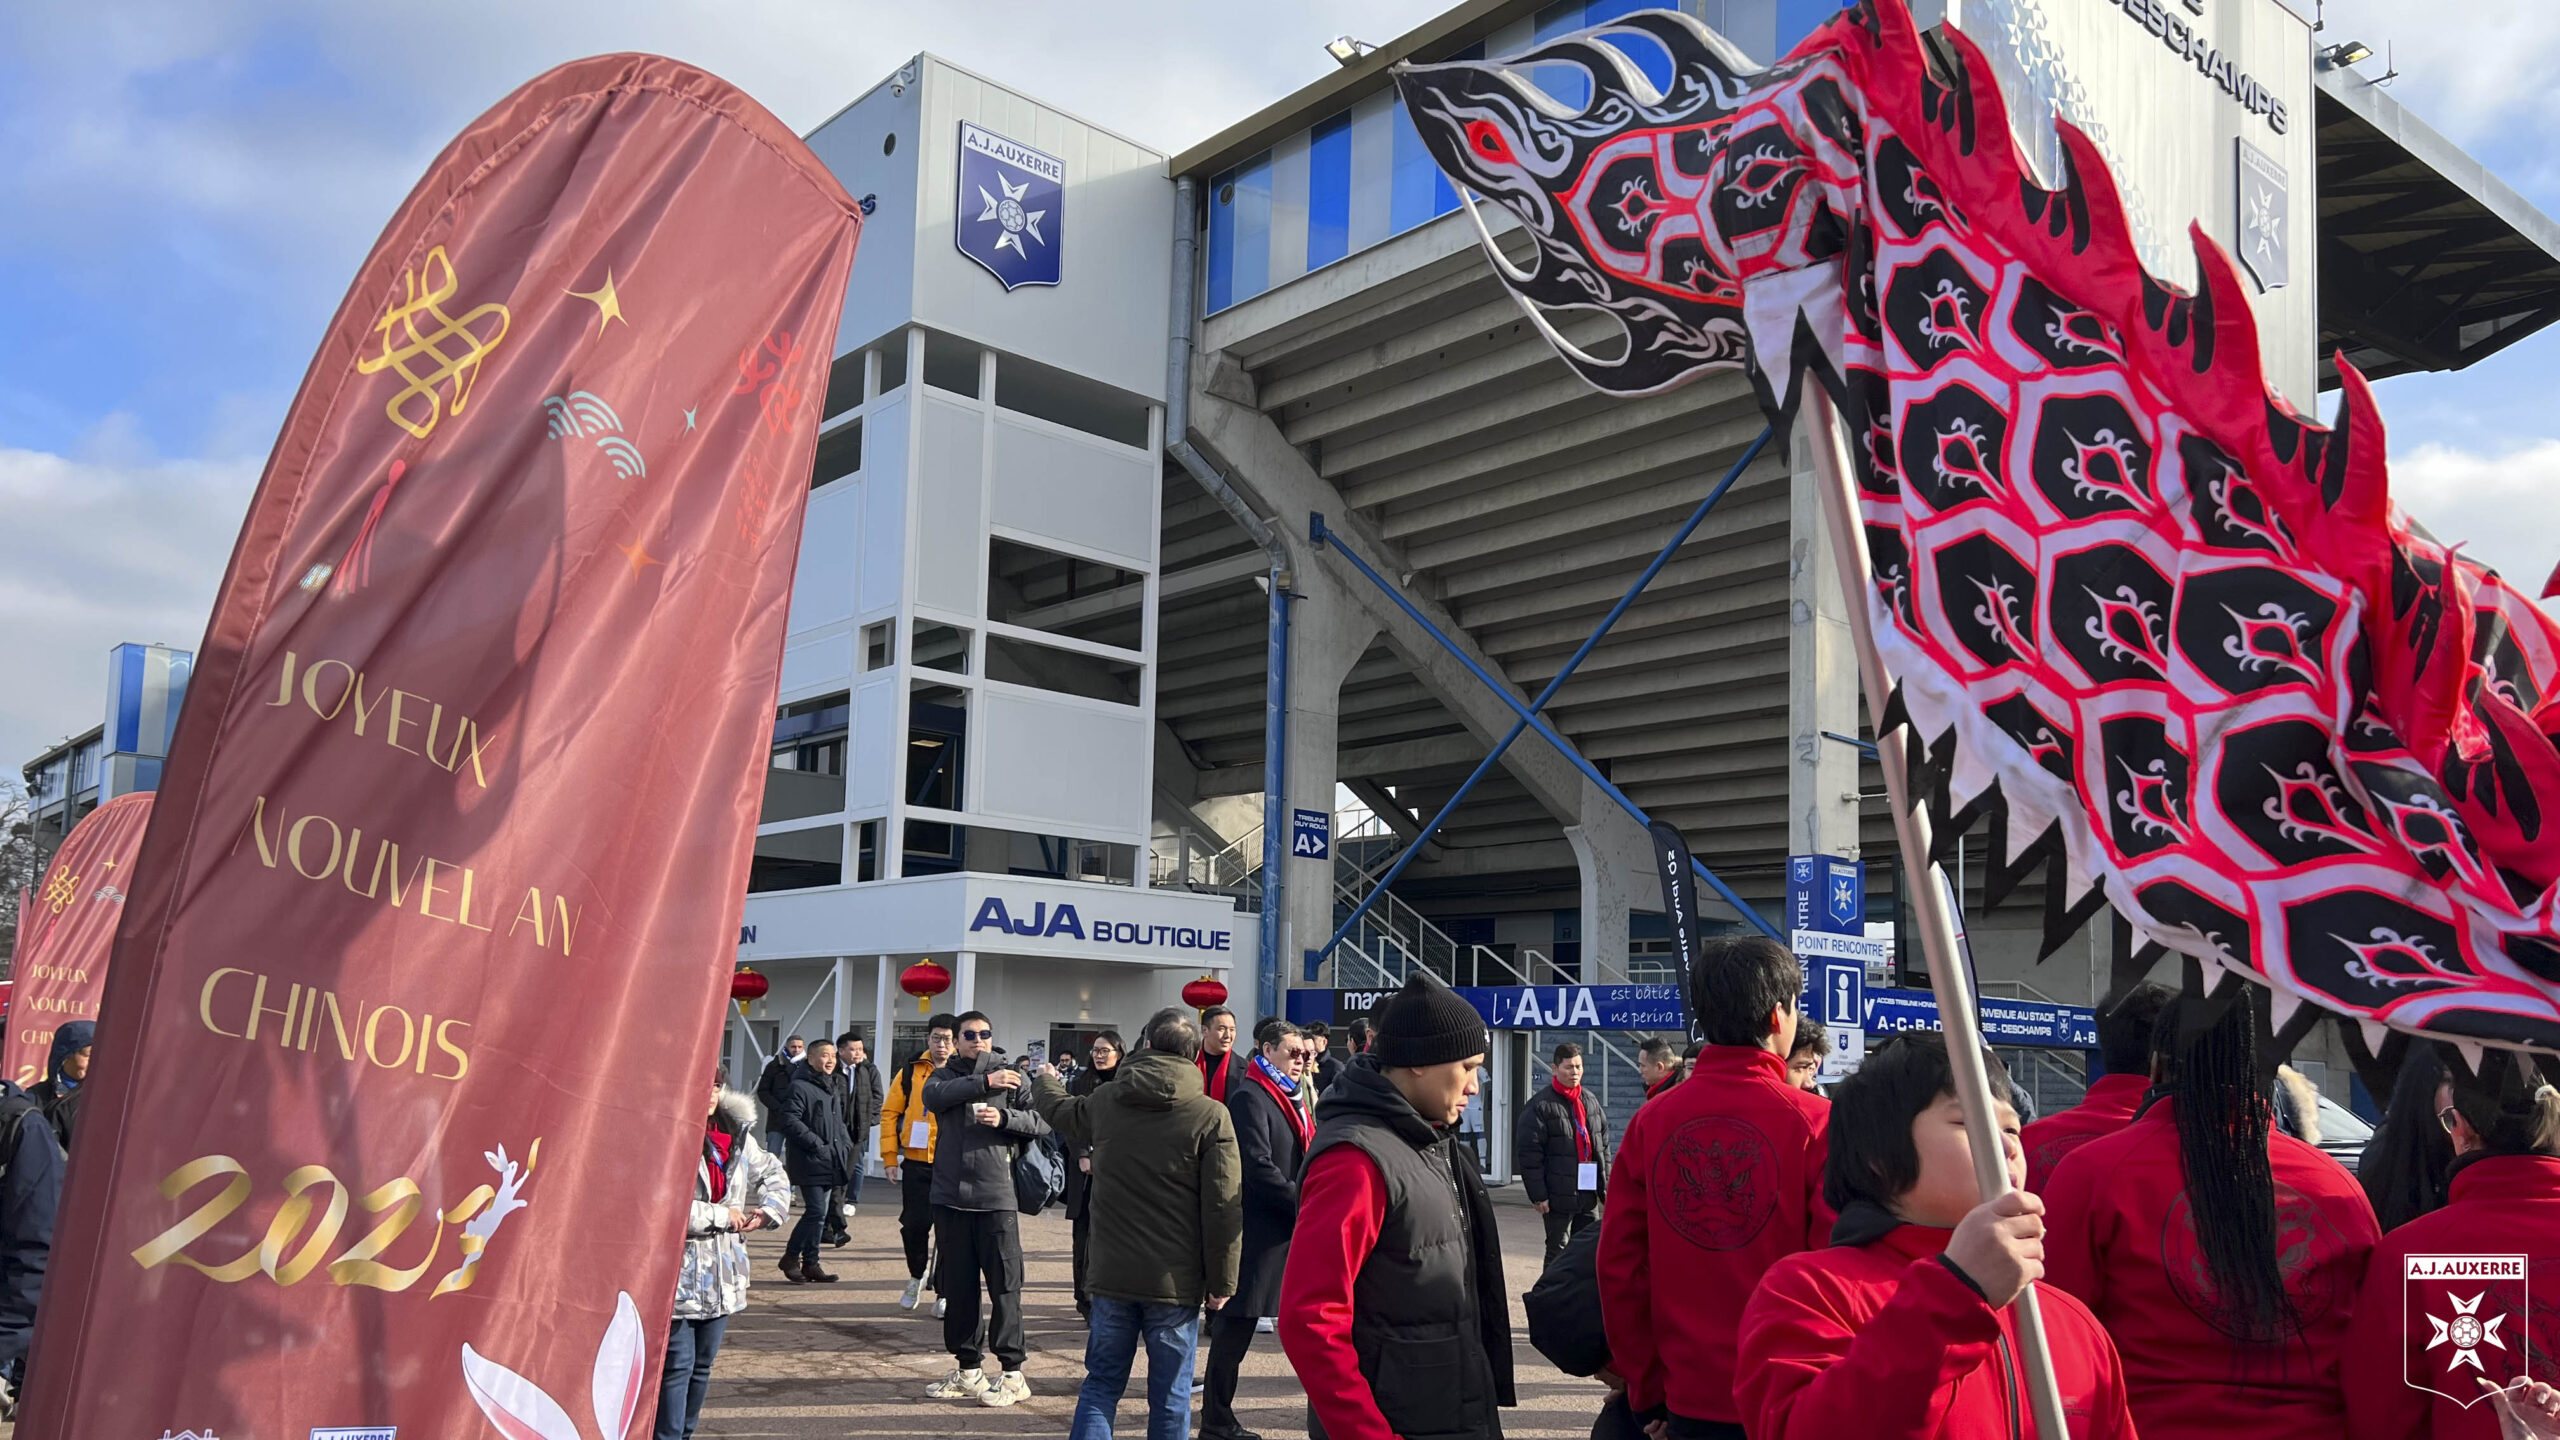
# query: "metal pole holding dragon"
1949,978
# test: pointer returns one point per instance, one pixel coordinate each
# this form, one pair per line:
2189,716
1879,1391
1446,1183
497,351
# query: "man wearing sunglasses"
983,1113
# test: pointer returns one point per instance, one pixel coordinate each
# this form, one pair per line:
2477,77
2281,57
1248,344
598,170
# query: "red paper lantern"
1204,992
924,980
748,985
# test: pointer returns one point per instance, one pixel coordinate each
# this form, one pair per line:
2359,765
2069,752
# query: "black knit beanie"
1426,1023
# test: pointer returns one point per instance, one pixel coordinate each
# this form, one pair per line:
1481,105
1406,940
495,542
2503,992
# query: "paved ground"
843,1360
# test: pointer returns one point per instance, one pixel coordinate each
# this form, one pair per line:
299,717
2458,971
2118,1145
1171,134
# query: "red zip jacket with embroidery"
2500,1205
1883,1342
2108,1108
2119,1236
1719,1178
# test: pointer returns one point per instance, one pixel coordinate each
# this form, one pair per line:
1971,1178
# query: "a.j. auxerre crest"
2265,210
1011,208
2463,1321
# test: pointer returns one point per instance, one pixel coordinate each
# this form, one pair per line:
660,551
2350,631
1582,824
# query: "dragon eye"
1486,139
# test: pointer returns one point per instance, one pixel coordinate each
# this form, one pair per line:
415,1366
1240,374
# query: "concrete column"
1822,678
964,982
840,1000
1616,860
1327,636
884,1014
884,1027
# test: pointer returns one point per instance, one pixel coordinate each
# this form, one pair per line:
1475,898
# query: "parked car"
2342,1133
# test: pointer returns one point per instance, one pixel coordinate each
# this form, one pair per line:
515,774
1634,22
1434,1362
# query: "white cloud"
2502,508
111,546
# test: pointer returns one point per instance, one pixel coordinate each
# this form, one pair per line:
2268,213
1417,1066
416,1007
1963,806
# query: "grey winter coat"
973,1163
863,1080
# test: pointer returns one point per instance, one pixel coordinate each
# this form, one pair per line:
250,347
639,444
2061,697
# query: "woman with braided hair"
2504,1201
2222,1255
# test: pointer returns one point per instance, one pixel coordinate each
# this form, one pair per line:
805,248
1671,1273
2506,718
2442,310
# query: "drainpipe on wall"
1275,679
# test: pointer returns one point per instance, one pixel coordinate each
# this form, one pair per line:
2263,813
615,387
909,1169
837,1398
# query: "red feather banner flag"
426,959
66,925
2171,640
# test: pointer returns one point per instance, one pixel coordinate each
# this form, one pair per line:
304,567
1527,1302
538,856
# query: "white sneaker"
848,1212
907,1301
1012,1389
1264,1326
959,1385
940,1305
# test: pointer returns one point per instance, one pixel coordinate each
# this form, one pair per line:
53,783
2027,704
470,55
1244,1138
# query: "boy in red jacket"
1718,1179
2505,1201
2124,1044
2222,1255
1901,1328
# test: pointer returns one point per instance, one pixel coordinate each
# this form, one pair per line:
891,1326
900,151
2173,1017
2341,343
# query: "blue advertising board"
1521,1007
2004,1022
1843,1001
1577,1007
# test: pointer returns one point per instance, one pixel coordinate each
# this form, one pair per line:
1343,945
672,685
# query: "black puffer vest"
1430,1318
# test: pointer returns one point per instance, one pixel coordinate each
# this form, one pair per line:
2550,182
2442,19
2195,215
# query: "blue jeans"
1171,1334
812,1225
691,1347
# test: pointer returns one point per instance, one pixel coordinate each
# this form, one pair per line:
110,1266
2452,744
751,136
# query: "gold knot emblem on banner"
431,347
61,890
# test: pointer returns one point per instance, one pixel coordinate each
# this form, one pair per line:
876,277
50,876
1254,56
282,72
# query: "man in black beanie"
1395,1230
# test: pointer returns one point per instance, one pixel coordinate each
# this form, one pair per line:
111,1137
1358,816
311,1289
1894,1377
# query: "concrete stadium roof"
2427,260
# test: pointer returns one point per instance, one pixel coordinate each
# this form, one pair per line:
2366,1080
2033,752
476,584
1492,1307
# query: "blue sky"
186,187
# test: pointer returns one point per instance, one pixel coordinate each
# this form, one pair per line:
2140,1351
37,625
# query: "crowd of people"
1748,1257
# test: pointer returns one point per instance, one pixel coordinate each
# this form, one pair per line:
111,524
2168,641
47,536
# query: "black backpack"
1564,1308
1039,1174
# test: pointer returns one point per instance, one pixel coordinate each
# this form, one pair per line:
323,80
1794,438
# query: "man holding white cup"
984,1114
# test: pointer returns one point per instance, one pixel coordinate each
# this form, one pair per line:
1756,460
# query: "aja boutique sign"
1011,209
1061,921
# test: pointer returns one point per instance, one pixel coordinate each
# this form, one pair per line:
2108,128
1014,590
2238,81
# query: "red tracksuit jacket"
2501,1205
1719,1178
1882,1342
2109,1107
2119,1236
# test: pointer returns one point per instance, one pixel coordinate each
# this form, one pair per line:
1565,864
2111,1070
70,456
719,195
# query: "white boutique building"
962,762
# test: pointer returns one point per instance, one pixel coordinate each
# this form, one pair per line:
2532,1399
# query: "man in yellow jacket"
907,1132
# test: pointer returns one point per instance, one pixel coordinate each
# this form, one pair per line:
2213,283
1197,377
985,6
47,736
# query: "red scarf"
1299,1119
717,1145
1581,1126
1214,1073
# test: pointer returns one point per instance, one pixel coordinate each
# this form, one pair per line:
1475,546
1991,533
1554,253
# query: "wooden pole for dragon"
1949,980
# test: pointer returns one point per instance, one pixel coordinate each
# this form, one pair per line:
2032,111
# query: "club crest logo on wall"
1011,212
2265,209
2463,1321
